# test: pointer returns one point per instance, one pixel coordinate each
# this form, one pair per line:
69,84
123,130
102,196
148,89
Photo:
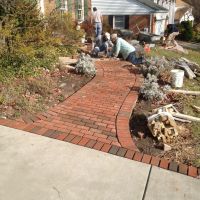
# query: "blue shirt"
122,47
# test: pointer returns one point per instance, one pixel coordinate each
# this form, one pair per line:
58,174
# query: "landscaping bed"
31,77
185,147
36,94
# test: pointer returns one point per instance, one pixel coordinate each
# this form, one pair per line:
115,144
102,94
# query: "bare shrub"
85,65
150,90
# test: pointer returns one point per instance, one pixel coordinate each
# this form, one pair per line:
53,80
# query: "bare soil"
40,93
185,148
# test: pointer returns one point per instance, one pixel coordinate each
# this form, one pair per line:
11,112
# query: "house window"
63,4
80,10
119,22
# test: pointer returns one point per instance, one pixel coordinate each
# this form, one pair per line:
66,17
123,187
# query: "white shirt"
97,16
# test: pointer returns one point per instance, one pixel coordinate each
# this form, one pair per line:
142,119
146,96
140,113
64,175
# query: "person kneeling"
103,44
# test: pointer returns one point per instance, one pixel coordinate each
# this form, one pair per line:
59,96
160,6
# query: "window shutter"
58,3
110,20
126,21
69,5
85,9
76,8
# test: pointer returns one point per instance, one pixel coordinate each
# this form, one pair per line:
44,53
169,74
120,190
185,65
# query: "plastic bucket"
177,78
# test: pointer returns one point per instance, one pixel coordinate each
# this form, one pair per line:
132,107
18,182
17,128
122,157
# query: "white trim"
150,23
41,6
81,10
64,5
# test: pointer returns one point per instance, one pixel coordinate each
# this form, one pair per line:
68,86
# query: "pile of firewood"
162,123
163,127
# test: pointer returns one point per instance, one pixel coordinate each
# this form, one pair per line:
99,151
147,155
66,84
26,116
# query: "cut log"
188,72
182,120
196,108
185,92
189,61
194,66
163,127
187,117
197,74
167,108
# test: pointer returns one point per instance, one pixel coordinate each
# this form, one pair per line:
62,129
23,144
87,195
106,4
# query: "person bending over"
171,32
127,50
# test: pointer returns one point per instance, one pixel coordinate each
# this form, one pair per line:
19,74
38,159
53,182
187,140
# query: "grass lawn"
192,55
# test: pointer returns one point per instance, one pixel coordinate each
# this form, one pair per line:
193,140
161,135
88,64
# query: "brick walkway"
97,111
97,116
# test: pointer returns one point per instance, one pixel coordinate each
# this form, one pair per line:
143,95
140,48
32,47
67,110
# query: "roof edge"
157,8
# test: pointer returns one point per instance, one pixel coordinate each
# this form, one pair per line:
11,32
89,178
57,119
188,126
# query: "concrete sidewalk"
37,168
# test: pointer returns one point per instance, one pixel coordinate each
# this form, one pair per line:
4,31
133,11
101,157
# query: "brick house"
80,9
130,14
119,14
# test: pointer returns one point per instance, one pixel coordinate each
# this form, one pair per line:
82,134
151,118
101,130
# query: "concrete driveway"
37,168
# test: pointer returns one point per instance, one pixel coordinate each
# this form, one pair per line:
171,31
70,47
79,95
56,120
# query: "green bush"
186,31
64,28
30,45
31,41
196,36
88,28
27,61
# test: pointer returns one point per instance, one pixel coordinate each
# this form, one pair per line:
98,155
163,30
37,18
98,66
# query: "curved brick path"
100,110
97,116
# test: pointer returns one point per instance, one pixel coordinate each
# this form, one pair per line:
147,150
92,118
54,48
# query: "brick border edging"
104,147
123,117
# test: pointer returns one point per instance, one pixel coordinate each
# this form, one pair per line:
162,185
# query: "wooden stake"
185,92
187,117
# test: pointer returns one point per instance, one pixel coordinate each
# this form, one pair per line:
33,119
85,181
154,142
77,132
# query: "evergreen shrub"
29,41
186,31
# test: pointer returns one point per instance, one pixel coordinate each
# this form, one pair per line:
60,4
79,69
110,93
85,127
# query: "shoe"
144,60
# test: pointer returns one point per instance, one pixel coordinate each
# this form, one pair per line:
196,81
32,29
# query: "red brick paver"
155,161
192,171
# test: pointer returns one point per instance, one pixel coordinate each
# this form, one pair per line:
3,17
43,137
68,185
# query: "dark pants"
104,47
132,58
